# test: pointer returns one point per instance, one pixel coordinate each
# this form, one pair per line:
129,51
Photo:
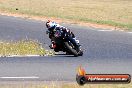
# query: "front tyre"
80,53
70,49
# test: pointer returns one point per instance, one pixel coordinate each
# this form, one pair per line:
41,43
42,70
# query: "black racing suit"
64,30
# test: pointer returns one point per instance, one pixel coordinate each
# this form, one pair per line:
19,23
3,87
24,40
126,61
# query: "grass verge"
24,47
117,13
61,85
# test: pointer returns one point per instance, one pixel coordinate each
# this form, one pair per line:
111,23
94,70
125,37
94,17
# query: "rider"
52,27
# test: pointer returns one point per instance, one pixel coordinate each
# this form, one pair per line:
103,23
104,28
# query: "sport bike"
64,42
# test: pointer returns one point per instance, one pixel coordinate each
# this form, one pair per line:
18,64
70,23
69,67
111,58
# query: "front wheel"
80,53
70,49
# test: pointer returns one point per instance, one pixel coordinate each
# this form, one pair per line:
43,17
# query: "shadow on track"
63,55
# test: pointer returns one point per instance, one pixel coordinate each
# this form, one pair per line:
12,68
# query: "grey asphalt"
104,52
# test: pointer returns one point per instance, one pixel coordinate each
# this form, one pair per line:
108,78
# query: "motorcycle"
64,42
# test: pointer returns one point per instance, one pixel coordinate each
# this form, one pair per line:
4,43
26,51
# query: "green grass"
24,47
117,13
61,85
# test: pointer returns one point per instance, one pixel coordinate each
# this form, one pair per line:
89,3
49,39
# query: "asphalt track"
104,52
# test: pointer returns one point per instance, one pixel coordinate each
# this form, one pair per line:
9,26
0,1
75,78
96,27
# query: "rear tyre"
70,49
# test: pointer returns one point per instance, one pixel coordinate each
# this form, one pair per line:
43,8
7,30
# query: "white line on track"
105,30
129,32
24,55
21,56
26,77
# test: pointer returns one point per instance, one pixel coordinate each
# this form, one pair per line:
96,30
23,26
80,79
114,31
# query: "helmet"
50,24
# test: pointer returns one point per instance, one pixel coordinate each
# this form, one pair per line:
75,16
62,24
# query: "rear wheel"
70,49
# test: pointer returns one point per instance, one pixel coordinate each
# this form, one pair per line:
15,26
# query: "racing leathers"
65,32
